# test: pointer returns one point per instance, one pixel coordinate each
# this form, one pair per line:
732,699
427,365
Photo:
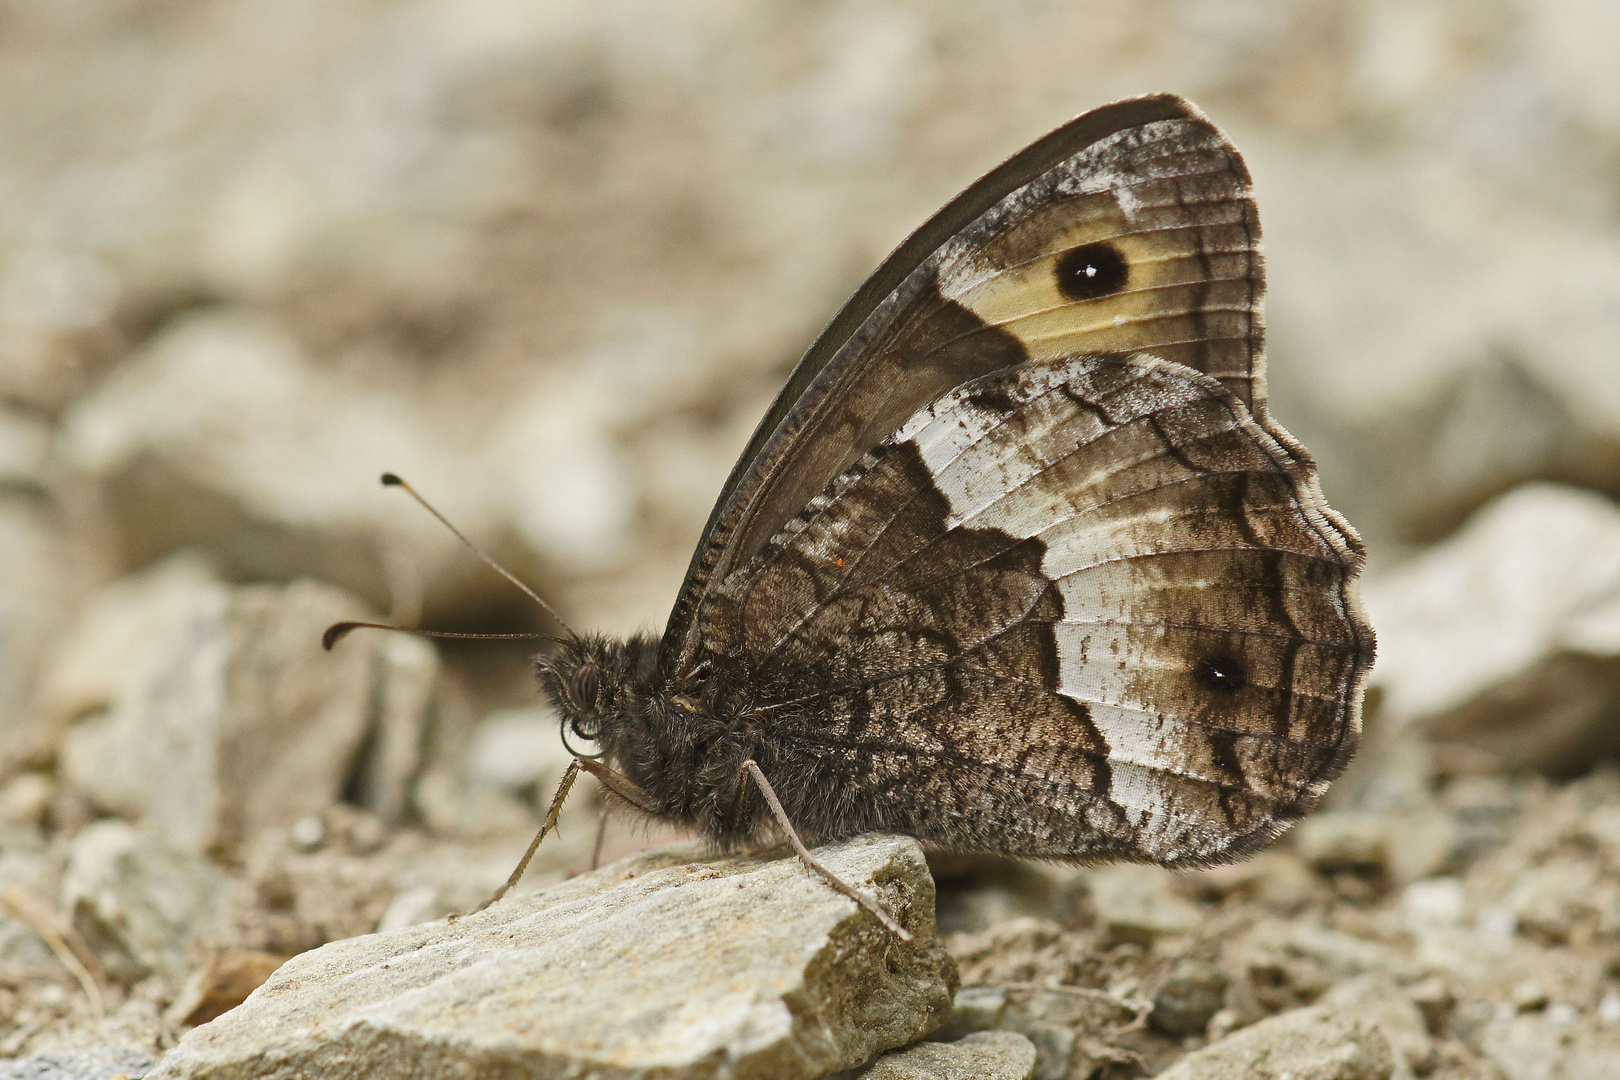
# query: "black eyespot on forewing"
1091,271
583,685
1220,673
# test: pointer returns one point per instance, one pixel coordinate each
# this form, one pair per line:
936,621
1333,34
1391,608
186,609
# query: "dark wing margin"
961,297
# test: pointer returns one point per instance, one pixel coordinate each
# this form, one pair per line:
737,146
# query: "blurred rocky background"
550,260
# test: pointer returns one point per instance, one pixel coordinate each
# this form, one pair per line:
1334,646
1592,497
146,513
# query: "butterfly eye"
583,686
1091,271
1220,673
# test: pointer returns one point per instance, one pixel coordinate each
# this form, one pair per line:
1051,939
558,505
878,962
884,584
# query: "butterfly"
1017,562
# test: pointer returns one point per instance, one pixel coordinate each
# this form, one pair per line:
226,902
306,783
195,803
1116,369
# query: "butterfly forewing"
1090,592
1131,228
1145,240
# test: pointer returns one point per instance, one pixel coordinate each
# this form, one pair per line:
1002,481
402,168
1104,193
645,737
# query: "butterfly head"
592,681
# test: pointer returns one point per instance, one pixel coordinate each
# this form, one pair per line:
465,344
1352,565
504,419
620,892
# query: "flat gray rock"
143,905
1313,1043
1139,903
654,966
44,573
208,711
1507,635
985,1055
103,1063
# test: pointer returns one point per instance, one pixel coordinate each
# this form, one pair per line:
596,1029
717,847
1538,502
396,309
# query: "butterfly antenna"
391,480
340,630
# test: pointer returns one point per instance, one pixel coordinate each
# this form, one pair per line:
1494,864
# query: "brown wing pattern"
1083,608
1171,201
1131,228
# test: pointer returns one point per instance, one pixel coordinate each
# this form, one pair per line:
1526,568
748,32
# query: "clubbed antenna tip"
393,480
336,633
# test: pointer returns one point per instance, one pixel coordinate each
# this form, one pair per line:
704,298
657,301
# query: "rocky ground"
550,262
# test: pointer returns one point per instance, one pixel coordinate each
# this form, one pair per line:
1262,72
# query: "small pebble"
1562,1014
1187,1000
1435,901
1434,1000
411,907
976,1008
1333,841
308,833
1529,996
25,799
1496,927
1222,1024
364,834
1608,1009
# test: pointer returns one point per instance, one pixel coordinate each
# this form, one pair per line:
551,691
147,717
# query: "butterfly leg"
810,862
620,785
569,776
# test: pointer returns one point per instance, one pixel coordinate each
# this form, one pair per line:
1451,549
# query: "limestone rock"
406,677
1306,1044
1276,878
25,799
518,750
145,906
1542,1045
219,433
22,949
209,711
976,1008
29,873
43,575
1472,380
985,1055
1507,635
104,1063
1139,903
1343,840
1069,1026
1565,898
1187,999
740,967
1378,1000
223,432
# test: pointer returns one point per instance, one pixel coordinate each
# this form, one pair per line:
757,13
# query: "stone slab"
655,966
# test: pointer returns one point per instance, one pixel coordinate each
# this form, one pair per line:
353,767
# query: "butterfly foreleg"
567,783
620,785
810,860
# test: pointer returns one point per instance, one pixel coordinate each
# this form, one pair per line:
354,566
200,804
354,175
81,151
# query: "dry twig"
63,940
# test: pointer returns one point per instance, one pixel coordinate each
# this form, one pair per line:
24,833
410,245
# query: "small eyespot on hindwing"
1220,673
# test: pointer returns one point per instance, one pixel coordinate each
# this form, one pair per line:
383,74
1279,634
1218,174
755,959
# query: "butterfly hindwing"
1131,228
1084,607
